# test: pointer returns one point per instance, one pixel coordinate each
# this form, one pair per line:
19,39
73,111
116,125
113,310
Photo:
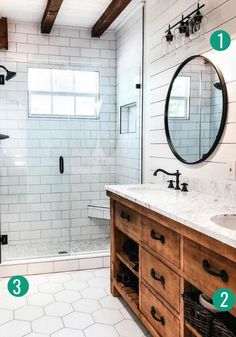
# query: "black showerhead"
218,85
10,74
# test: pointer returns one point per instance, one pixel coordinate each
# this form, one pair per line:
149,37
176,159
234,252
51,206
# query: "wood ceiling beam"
108,17
50,15
3,34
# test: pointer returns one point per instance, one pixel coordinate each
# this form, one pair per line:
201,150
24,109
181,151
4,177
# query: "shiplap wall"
159,71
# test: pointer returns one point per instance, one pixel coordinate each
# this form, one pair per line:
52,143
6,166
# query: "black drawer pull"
61,165
155,277
222,274
125,216
155,236
161,319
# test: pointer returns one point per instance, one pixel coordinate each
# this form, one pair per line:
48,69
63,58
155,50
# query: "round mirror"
196,110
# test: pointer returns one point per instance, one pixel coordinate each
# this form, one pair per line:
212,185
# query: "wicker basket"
199,317
224,325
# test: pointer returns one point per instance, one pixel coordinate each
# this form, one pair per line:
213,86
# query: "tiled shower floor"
53,248
75,304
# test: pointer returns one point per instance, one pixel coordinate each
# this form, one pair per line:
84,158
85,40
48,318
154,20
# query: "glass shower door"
34,176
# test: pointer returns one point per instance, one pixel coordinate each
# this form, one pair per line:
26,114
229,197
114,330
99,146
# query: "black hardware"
10,74
186,17
4,239
161,319
171,183
169,36
185,187
2,137
2,80
61,165
157,237
155,277
177,175
222,274
138,86
125,216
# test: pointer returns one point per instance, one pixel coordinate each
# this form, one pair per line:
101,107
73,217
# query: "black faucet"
176,174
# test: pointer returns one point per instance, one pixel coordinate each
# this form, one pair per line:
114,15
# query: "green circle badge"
220,40
18,286
224,299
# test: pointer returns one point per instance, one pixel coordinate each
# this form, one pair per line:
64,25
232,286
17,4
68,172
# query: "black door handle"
155,277
61,165
157,237
222,274
2,137
153,313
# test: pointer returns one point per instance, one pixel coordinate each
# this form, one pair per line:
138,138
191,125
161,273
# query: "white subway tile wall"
37,202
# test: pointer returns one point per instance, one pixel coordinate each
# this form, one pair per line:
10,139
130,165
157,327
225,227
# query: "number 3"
17,283
226,296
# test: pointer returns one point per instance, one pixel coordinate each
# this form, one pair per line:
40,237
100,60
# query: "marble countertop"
192,209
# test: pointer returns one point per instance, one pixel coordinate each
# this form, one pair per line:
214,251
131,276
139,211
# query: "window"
179,100
63,93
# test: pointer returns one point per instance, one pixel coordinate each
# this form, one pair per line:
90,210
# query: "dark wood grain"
50,15
3,34
109,16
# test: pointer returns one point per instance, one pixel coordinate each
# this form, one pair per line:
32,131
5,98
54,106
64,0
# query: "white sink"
225,220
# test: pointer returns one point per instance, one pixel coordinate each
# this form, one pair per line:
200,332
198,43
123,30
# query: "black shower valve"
2,79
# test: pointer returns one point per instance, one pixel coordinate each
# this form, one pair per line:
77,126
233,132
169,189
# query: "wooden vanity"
171,259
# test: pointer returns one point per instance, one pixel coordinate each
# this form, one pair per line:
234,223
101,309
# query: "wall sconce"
190,27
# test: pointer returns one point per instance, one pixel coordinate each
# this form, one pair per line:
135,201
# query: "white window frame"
52,94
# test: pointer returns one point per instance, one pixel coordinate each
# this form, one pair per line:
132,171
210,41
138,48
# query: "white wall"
36,203
159,71
129,73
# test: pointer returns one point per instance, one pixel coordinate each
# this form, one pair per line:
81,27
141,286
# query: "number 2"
17,283
226,296
221,40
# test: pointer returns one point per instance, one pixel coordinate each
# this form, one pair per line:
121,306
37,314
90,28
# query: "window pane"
39,79
63,105
177,108
86,106
181,86
86,82
40,104
62,80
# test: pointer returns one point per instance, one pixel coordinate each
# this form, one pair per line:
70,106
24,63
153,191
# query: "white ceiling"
80,13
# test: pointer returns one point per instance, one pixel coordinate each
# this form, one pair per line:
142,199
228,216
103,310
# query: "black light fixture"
9,75
169,36
190,26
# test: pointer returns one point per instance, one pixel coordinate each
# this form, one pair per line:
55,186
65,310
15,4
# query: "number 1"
221,40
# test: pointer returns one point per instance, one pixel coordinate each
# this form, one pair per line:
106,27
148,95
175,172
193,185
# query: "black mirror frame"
224,111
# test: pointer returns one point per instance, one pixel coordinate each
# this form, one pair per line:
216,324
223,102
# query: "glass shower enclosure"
59,156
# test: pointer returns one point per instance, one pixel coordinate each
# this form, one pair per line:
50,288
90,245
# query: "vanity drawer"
161,239
163,320
161,278
201,263
127,219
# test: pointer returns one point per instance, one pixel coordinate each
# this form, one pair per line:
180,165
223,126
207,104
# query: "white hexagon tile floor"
74,304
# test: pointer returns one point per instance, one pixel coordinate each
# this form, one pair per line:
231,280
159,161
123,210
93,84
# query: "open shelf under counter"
129,264
192,330
129,295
